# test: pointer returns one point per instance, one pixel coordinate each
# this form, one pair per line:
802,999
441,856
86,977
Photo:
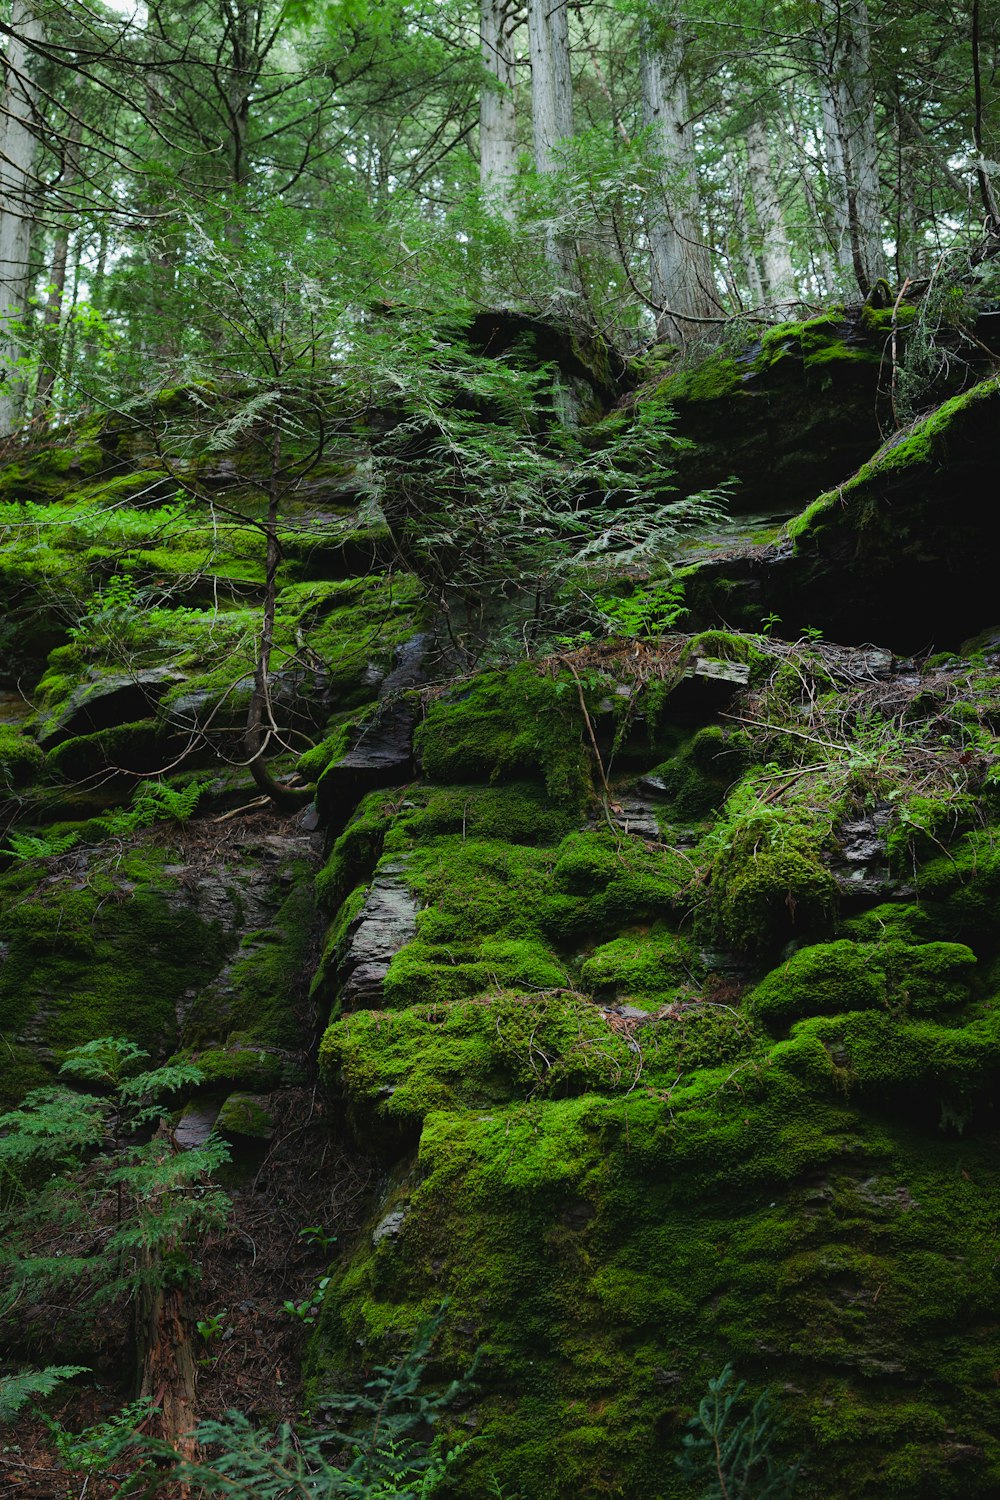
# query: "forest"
499,749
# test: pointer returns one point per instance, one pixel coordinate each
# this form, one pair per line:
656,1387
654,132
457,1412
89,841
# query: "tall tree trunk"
776,259
836,173
551,103
497,121
740,239
849,102
551,79
683,286
53,317
18,147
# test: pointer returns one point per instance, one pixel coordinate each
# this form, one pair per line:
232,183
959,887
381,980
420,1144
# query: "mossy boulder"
786,415
508,726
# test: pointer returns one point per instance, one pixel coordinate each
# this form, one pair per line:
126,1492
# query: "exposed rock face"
387,922
109,699
381,752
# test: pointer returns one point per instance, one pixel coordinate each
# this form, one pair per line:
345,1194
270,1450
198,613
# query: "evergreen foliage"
729,1451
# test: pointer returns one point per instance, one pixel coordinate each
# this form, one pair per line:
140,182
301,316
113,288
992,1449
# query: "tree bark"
683,286
776,259
849,117
52,319
18,147
551,79
497,119
551,107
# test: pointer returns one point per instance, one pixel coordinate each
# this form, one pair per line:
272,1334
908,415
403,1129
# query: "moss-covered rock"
786,415
505,726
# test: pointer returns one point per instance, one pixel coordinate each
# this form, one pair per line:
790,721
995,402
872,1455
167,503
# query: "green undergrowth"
109,954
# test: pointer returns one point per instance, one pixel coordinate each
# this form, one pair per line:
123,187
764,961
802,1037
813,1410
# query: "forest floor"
249,1272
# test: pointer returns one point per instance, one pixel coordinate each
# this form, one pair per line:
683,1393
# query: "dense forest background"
182,183
487,942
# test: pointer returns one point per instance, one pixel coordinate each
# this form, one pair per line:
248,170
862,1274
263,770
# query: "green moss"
101,958
905,921
20,758
353,626
244,1064
245,1117
762,897
656,965
265,986
833,978
132,747
357,851
716,379
944,1068
961,888
927,444
589,885
696,780
435,973
21,1070
520,813
505,726
613,1253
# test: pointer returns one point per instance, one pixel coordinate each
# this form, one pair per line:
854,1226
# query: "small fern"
16,1391
25,846
152,802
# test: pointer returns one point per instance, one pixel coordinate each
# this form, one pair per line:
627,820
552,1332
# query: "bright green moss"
943,1067
833,978
961,888
357,850
520,813
612,1254
20,758
696,780
714,380
656,965
506,726
905,921
353,626
429,973
589,885
398,1066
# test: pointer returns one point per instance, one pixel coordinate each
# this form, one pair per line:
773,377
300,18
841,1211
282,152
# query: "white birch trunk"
551,79
740,229
849,96
776,258
497,120
17,197
551,105
683,286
